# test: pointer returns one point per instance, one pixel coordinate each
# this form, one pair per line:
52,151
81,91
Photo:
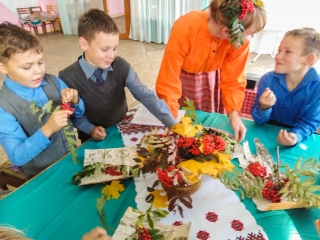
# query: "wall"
8,9
115,7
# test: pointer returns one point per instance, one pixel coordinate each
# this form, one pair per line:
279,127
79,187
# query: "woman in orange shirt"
205,58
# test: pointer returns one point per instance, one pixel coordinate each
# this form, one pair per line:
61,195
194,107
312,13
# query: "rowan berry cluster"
271,192
246,7
167,176
67,106
257,170
112,170
220,144
143,234
272,188
190,144
210,144
186,142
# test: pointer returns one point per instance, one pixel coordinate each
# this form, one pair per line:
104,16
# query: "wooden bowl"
183,190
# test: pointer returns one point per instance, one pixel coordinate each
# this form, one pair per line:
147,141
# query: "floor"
62,50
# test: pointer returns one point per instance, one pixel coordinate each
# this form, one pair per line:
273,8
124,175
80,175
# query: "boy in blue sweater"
28,142
290,95
100,76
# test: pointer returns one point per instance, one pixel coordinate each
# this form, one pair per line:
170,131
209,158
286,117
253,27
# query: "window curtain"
151,20
71,10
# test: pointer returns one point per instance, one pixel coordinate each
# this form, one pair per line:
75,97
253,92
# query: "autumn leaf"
211,168
224,158
185,127
259,3
160,200
194,167
113,190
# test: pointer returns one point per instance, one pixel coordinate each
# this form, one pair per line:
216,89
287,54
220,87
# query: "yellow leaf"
211,168
160,201
113,190
194,167
214,169
259,3
223,157
185,127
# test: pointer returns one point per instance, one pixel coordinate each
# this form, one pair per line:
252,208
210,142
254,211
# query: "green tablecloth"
50,206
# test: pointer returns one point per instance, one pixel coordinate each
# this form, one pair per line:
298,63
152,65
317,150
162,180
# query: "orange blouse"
192,48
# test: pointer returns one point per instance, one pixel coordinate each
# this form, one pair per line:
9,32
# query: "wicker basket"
184,190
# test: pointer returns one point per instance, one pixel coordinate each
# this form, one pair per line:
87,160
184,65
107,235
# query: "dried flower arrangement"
179,158
273,189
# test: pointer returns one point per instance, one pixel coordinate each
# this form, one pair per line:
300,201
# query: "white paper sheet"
144,117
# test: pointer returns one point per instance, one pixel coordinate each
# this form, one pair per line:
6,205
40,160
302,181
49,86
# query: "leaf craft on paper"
128,223
113,190
270,188
103,165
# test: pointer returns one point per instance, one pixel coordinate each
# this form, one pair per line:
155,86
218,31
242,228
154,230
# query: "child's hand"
98,133
267,99
287,139
57,120
97,233
69,95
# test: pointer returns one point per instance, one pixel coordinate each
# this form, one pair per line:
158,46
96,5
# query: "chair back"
35,9
54,12
51,8
23,12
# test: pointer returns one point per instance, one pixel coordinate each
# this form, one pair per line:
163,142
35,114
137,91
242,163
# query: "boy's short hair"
95,21
14,39
310,38
10,233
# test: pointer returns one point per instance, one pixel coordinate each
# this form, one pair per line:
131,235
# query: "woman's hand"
237,125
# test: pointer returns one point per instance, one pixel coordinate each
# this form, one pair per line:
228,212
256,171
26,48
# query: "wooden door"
124,31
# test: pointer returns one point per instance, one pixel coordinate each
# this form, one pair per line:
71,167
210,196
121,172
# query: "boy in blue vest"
100,76
28,142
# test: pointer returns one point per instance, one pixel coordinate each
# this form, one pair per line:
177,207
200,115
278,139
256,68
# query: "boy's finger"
68,112
102,130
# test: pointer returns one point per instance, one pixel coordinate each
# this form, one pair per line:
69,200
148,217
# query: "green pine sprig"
70,135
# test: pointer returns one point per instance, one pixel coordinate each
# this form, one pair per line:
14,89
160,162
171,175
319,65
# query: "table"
50,206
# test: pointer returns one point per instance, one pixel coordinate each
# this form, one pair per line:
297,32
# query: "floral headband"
237,13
